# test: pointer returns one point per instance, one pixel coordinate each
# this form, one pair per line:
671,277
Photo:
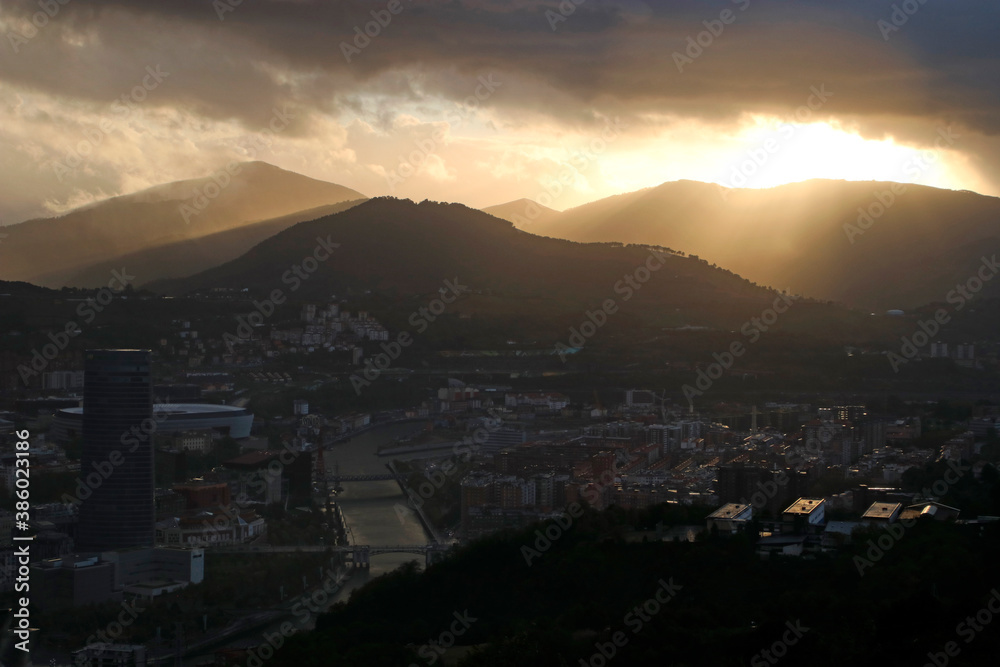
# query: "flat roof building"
813,510
730,518
73,581
104,654
882,512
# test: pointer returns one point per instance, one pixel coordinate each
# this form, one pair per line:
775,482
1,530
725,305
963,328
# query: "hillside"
805,237
565,600
406,252
524,213
397,245
190,256
66,250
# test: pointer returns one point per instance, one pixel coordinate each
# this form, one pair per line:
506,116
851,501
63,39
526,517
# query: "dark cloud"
941,67
942,62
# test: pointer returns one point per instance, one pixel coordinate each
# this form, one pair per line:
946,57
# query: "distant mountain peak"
54,251
523,212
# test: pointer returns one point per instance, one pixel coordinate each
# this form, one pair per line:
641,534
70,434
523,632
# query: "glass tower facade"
116,464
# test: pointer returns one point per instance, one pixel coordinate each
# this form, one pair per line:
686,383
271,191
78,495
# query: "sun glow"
772,153
765,152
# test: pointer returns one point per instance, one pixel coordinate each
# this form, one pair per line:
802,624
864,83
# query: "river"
370,511
370,508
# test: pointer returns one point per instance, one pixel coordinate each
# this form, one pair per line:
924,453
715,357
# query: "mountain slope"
407,251
190,256
51,252
390,244
805,237
524,213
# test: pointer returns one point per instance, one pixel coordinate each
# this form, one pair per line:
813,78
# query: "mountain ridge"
809,237
50,251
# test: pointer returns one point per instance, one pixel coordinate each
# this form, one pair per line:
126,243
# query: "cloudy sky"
483,101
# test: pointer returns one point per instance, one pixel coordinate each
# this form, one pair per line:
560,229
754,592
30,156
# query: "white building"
730,518
813,510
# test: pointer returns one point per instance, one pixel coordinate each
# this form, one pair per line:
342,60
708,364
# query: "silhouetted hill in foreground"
402,249
558,596
20,288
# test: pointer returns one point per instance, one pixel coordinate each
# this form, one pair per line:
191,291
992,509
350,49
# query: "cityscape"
480,334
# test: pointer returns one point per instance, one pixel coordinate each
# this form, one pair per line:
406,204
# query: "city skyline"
499,332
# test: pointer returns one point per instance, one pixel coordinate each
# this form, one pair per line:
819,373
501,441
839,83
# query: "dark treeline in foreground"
890,598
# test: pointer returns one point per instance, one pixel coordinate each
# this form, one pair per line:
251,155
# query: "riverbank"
409,505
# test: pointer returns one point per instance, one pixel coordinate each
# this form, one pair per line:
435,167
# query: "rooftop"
728,511
780,540
882,511
804,506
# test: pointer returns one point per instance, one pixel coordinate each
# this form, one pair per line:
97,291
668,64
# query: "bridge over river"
360,554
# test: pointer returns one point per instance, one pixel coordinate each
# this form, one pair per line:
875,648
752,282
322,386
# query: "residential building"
882,513
730,518
811,510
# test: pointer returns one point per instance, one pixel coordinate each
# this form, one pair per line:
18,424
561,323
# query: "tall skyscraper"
117,457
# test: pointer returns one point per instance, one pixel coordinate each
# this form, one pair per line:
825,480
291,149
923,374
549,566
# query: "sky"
483,101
